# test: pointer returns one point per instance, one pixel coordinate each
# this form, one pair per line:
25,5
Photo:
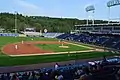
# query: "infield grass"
56,48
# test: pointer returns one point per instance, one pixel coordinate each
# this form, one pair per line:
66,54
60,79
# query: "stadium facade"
113,28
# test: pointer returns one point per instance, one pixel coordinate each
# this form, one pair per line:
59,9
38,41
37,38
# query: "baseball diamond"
41,47
38,47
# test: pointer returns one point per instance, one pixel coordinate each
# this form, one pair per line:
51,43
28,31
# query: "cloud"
25,4
27,8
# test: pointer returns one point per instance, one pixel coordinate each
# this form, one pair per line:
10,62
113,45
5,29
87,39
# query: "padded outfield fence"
9,34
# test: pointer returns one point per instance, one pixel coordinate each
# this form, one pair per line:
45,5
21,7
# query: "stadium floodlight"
113,3
110,4
88,9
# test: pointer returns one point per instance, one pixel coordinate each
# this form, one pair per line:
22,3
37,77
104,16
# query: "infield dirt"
27,48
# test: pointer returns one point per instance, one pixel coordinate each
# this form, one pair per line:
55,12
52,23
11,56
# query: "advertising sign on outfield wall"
9,34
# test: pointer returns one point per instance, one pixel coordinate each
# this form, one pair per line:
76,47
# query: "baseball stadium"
33,50
46,48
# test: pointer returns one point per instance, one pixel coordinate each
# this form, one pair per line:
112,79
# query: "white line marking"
79,45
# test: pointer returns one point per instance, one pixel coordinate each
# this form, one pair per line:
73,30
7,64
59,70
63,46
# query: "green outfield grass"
12,61
6,60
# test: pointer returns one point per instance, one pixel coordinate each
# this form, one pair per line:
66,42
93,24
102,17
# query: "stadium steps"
111,42
117,46
104,41
116,43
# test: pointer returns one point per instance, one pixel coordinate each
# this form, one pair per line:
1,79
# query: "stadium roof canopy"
110,24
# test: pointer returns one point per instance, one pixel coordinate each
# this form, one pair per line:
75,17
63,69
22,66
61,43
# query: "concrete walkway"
41,65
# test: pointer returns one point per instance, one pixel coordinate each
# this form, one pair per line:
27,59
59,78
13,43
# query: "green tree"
7,21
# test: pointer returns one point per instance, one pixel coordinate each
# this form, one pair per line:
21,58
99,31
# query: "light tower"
15,21
90,9
111,4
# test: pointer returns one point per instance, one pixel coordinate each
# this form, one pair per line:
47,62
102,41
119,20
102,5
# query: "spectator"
46,76
84,77
14,77
8,76
2,77
32,76
56,66
59,77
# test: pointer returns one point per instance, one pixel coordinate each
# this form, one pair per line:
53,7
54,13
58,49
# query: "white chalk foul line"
79,45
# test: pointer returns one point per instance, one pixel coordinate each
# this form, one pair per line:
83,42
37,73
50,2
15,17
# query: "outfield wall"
9,34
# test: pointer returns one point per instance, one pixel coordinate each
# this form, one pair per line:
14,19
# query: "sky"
60,8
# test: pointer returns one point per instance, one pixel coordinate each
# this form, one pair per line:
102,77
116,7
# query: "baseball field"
26,50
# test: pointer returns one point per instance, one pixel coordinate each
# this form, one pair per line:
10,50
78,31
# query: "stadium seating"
117,46
51,35
63,36
100,70
100,40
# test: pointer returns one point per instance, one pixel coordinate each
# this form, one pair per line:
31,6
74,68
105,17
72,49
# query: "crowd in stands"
106,69
51,35
109,41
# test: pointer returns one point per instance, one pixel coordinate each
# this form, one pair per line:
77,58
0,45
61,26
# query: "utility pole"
108,15
15,22
93,17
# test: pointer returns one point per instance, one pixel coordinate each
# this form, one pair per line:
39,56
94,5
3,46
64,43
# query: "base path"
27,48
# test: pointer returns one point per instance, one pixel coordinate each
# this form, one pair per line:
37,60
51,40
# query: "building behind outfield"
31,32
113,28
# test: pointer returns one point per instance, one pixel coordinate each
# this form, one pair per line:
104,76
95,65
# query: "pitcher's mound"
64,46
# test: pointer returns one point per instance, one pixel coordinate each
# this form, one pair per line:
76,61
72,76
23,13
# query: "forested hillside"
7,21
